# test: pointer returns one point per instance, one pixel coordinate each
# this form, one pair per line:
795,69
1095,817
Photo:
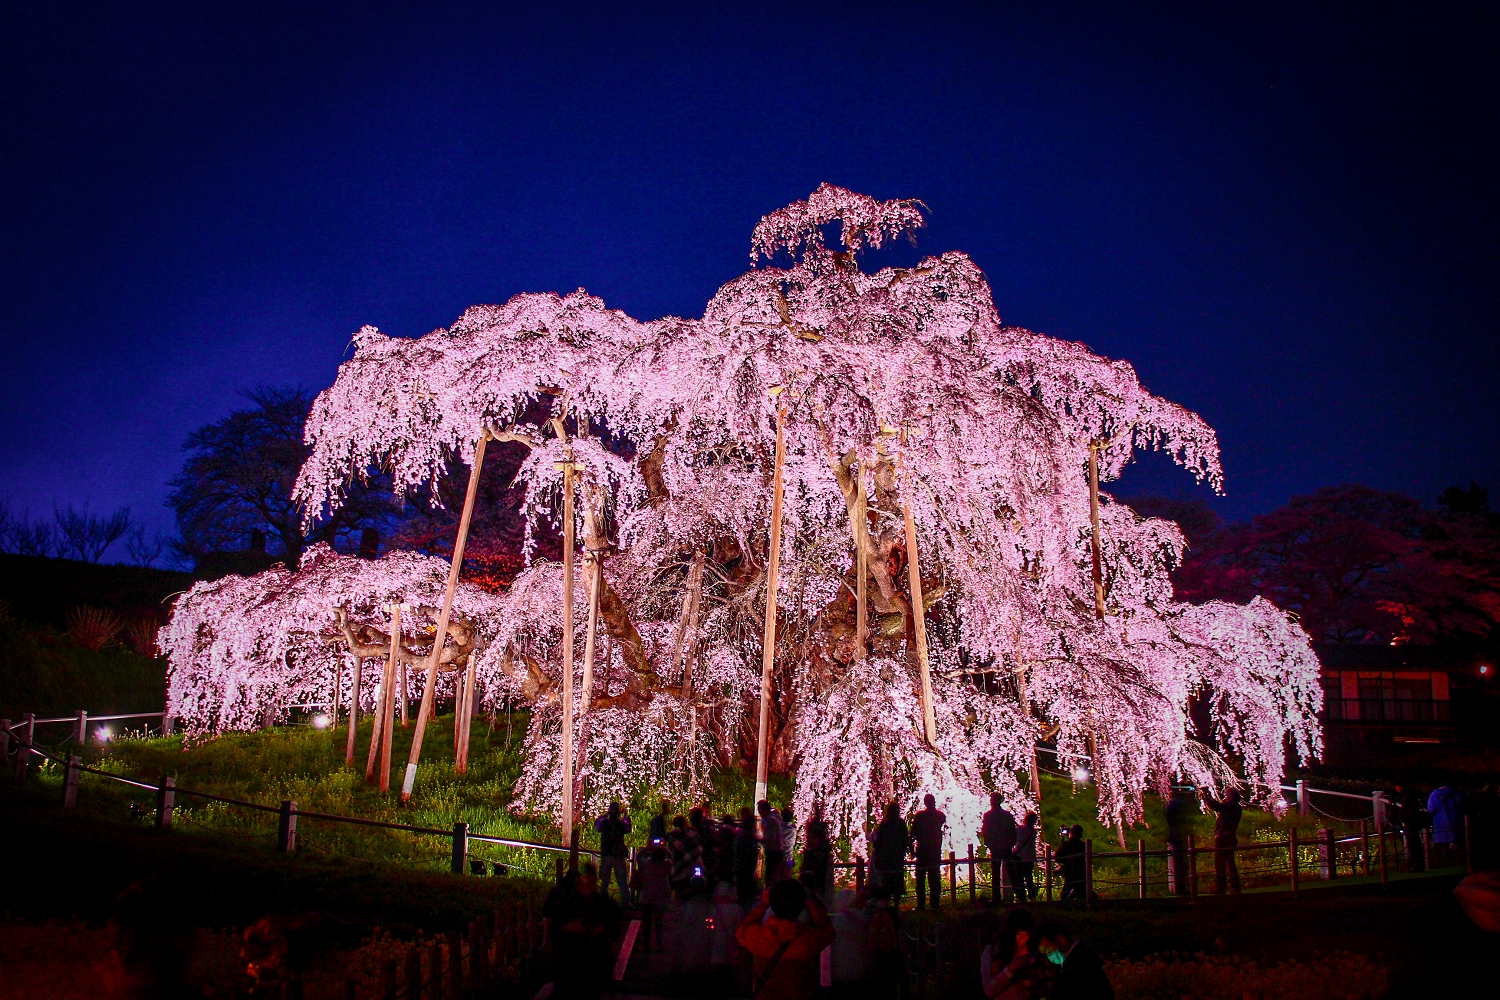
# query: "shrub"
140,634
92,628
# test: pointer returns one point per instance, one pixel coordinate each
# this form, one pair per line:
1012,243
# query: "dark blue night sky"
1287,221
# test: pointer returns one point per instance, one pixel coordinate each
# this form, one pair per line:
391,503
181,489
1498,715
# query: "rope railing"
167,791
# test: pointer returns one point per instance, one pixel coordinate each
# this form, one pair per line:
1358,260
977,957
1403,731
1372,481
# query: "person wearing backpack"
786,949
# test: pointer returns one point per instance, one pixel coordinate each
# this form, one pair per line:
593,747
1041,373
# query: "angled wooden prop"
862,565
429,689
919,626
595,570
1094,521
569,469
768,645
388,702
356,678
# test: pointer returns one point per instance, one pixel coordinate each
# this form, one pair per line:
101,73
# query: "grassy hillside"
43,670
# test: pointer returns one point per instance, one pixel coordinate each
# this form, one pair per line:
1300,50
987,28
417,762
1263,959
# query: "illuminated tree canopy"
901,391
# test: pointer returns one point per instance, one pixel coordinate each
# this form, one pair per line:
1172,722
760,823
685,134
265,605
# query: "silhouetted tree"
81,535
238,478
1358,564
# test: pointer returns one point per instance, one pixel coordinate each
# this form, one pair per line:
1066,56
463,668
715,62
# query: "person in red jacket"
785,949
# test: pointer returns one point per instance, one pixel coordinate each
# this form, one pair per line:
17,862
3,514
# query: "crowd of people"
757,888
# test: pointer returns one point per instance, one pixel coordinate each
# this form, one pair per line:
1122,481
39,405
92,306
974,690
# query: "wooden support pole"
1088,874
568,825
429,689
1094,521
953,878
861,565
973,888
401,669
356,678
388,708
768,642
338,691
377,723
918,609
919,627
82,733
1291,852
595,571
1140,867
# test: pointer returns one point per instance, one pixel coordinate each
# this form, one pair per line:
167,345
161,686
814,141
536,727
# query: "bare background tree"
81,535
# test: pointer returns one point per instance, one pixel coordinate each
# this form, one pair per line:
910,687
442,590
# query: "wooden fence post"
168,724
1192,872
286,827
1140,854
1304,802
460,848
973,890
456,963
82,733
70,782
1327,859
1088,874
23,759
1364,845
414,974
476,958
1047,875
435,970
1291,842
953,878
166,794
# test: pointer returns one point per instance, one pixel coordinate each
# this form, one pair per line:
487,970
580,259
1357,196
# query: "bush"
92,628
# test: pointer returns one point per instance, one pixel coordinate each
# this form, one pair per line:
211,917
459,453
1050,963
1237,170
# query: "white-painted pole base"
760,791
409,780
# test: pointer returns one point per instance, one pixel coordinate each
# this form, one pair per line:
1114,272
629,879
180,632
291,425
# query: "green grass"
307,765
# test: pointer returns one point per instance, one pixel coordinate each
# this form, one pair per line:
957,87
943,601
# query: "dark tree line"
1356,564
235,511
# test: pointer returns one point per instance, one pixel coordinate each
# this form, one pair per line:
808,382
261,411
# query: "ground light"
320,721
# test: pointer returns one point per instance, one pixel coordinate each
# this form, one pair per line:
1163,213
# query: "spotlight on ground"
321,721
1081,775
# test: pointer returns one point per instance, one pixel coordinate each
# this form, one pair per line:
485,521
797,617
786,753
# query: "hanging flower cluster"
896,392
